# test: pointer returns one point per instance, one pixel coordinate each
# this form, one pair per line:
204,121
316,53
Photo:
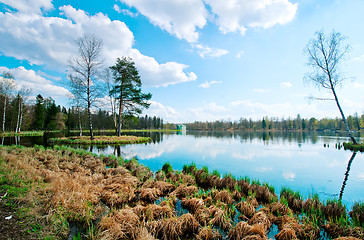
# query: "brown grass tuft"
193,204
183,191
221,220
262,218
245,208
122,224
207,233
223,196
117,194
279,209
335,231
243,230
286,234
227,182
152,212
149,195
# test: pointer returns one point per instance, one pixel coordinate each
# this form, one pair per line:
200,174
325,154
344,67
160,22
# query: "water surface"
307,162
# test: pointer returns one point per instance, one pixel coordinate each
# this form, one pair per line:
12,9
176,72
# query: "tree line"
45,114
355,122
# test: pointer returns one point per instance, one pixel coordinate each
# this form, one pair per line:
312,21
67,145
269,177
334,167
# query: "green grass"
100,140
167,168
354,147
26,133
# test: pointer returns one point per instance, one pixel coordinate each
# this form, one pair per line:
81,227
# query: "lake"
307,162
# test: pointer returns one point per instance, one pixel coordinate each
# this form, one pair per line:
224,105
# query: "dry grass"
207,233
245,209
223,196
335,231
220,219
279,209
149,195
183,191
261,218
152,212
79,188
193,204
122,224
243,230
286,234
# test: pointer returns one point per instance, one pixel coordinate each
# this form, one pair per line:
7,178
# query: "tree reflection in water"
346,175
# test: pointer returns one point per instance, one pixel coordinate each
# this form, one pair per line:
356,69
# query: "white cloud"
357,85
117,8
205,51
290,176
263,169
285,84
165,112
129,13
37,83
207,112
258,90
239,54
50,41
208,84
180,18
126,12
358,58
237,15
29,6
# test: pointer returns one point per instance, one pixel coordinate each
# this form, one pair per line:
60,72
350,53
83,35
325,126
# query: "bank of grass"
110,198
128,130
26,133
100,140
354,147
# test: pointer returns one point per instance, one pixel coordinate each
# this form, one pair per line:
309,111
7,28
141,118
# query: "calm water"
296,160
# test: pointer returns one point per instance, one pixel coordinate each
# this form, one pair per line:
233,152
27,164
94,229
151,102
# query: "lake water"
307,162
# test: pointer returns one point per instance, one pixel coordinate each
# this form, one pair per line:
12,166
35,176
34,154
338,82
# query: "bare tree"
84,70
7,86
23,95
325,53
111,94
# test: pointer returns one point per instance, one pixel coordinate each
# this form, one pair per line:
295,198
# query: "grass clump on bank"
75,194
27,133
354,147
100,140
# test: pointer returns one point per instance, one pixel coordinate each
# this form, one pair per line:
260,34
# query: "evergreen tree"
39,113
128,89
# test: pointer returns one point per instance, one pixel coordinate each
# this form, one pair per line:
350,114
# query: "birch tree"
23,95
7,86
83,72
325,54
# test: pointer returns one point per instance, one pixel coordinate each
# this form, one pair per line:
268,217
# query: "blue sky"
201,59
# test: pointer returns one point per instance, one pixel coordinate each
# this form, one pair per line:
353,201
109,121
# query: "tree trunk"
343,116
18,120
21,118
90,120
79,121
120,111
4,113
89,106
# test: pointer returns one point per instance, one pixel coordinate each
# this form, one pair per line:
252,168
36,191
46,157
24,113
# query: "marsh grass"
100,140
68,187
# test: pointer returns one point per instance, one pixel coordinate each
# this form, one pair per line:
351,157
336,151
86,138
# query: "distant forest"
44,114
355,123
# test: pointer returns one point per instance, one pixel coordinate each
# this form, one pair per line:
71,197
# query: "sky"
203,60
